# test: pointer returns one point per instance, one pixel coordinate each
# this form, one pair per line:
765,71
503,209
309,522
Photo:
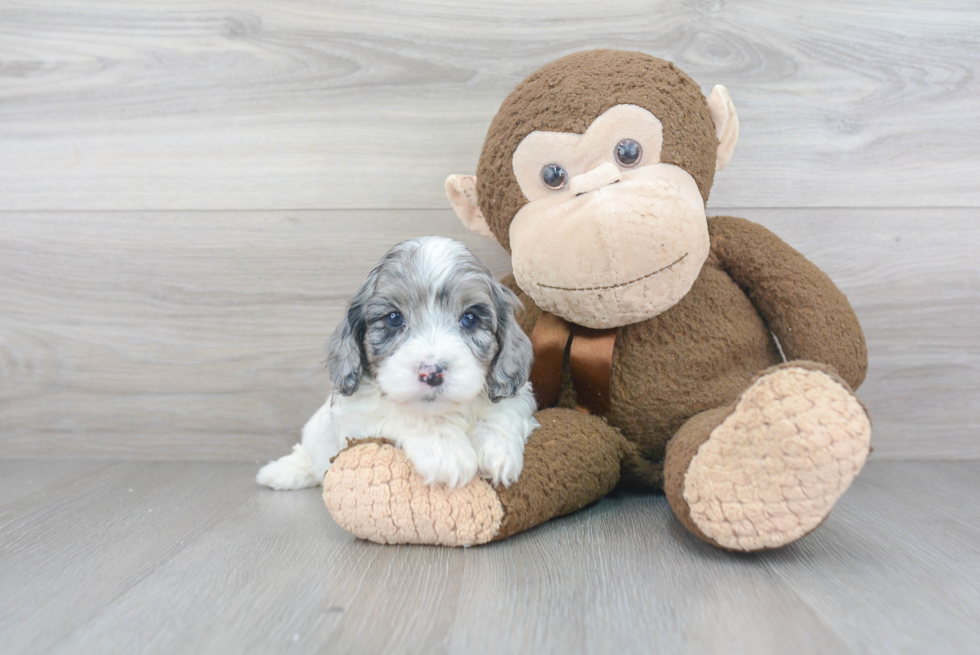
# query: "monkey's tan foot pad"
373,491
773,469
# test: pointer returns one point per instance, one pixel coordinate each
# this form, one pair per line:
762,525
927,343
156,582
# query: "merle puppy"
429,356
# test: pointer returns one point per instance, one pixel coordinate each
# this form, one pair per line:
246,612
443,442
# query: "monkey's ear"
461,191
726,124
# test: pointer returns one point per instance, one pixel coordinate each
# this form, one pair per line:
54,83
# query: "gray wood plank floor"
165,557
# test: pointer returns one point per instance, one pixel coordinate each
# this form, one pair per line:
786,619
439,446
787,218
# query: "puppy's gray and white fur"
430,356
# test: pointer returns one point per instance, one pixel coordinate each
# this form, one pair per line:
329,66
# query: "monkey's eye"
394,320
628,153
554,177
468,320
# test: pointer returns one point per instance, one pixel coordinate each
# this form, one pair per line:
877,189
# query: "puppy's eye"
628,153
469,320
394,320
554,177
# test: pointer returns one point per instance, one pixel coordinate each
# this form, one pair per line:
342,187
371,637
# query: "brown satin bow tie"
590,360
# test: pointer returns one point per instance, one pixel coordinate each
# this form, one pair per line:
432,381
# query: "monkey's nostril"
582,193
598,177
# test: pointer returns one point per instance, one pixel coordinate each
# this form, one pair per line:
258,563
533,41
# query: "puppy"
429,356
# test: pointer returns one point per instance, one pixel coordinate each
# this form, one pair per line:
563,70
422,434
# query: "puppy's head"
431,325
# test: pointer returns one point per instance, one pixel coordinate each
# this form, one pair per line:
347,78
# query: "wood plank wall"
191,190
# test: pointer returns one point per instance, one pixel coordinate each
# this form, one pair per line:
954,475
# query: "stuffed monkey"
699,356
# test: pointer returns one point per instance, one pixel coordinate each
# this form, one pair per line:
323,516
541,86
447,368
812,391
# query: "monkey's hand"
375,493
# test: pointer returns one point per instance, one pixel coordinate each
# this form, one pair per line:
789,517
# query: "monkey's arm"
806,311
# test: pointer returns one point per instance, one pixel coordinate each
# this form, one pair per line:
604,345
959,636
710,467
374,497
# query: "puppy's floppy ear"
345,349
512,365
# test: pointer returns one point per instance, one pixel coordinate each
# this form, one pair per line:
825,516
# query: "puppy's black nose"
432,379
431,374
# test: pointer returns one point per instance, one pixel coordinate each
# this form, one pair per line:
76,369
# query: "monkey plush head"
594,176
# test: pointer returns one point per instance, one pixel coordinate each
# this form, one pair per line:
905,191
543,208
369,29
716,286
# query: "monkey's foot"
373,491
768,471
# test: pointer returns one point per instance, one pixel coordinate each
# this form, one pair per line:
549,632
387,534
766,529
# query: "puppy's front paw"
501,460
443,461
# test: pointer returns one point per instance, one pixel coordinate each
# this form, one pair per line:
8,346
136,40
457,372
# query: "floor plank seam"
190,539
820,617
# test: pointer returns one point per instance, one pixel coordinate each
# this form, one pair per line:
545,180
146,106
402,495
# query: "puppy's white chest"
367,414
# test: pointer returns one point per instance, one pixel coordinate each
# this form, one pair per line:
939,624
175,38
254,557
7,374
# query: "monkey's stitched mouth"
620,284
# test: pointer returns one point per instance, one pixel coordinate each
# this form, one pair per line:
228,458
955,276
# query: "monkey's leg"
572,460
767,470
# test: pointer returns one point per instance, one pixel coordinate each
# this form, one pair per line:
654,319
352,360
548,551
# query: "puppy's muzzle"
431,374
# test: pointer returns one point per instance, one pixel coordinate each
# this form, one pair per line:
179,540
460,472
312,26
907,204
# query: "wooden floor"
102,557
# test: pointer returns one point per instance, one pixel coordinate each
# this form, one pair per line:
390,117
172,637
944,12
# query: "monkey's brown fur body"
751,450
